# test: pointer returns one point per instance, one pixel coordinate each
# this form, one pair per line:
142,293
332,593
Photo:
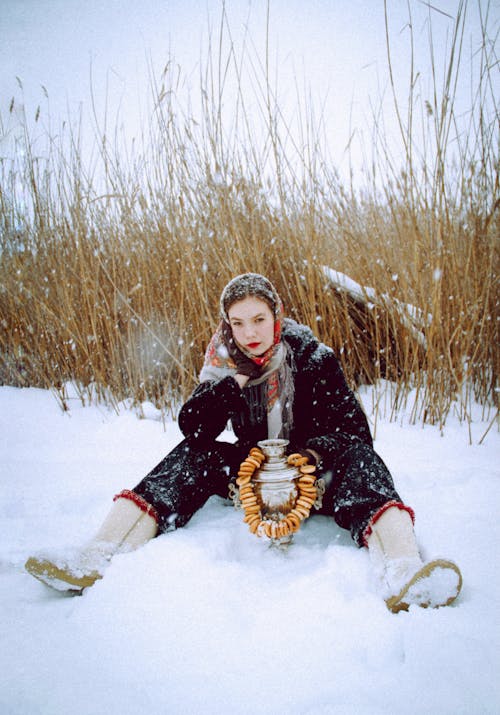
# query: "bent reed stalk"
112,283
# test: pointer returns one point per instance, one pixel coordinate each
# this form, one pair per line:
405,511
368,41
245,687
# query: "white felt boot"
405,577
125,528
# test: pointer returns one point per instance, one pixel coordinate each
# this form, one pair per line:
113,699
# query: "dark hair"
249,284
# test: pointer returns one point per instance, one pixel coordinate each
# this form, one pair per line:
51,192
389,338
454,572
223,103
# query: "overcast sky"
336,49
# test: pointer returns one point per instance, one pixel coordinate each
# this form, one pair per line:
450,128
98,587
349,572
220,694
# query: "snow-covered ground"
209,620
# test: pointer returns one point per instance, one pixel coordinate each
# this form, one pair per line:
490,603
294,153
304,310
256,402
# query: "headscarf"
276,370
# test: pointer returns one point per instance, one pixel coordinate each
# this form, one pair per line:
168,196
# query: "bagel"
298,513
293,525
252,461
307,488
294,518
246,469
283,529
254,525
249,501
252,509
307,469
311,496
246,489
257,454
306,502
302,511
298,461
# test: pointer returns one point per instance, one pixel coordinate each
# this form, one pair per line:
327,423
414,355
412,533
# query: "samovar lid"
275,468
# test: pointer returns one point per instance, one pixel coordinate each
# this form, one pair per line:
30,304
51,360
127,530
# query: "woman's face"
252,323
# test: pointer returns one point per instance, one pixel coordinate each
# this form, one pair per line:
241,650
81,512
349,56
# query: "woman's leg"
130,524
362,498
360,485
182,482
167,497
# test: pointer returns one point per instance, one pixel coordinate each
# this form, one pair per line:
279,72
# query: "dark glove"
244,365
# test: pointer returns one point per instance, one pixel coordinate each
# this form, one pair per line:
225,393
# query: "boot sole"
416,591
59,579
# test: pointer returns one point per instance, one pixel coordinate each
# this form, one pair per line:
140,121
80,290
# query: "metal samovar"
272,501
275,481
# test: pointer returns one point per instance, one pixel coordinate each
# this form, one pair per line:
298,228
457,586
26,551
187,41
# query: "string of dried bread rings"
307,494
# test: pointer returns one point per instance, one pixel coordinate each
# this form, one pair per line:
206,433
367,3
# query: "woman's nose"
249,331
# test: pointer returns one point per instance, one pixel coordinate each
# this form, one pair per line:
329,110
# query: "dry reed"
113,283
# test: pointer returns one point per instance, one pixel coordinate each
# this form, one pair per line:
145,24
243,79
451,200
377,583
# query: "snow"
208,619
411,316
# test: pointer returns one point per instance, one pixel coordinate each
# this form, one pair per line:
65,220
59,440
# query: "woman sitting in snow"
272,378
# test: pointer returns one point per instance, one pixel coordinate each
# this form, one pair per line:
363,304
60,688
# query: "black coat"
326,415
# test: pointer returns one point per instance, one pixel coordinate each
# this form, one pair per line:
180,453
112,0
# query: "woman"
271,378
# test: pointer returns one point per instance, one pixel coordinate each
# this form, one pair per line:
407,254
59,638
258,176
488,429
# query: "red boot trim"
138,501
388,505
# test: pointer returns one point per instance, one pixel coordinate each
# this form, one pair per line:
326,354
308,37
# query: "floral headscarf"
275,369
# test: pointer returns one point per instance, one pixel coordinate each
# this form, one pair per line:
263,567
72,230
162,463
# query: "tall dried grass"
113,282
